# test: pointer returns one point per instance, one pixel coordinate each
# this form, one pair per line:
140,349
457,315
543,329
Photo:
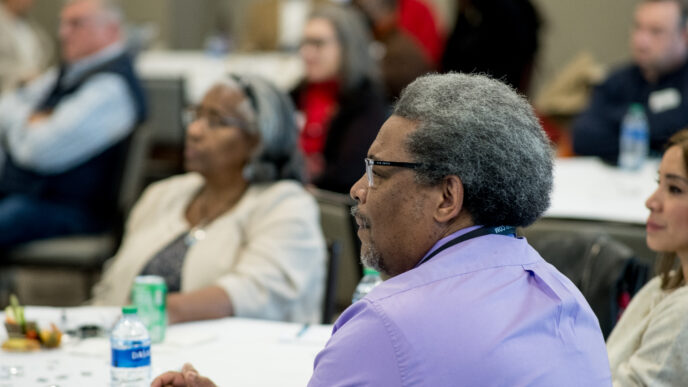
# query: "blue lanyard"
499,230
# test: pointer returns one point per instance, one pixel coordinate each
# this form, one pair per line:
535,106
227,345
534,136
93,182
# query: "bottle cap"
368,270
129,309
636,107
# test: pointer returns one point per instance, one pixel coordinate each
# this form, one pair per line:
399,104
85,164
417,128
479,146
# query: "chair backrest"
134,169
329,304
338,226
604,269
166,103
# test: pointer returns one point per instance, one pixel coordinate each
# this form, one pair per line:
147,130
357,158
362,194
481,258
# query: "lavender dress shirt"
486,312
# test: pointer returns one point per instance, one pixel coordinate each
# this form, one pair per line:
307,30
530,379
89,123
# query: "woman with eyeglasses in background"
340,97
237,235
649,344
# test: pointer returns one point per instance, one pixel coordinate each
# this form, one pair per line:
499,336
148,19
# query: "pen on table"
303,330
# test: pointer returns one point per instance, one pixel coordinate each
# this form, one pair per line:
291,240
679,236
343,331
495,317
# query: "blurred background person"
657,79
495,37
237,235
648,345
414,18
25,49
340,97
66,133
403,58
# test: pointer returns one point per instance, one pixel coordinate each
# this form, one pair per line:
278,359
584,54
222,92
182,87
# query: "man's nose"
359,190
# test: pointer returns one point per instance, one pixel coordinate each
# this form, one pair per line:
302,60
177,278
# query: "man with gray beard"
459,164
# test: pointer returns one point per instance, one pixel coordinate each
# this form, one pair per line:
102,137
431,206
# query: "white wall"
600,27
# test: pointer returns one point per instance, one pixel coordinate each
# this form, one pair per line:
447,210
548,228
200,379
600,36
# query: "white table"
586,188
231,351
200,70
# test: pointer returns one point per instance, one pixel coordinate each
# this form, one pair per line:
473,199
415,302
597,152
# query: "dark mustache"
364,221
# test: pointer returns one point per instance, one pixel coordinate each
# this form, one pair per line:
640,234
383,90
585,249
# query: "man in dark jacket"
657,79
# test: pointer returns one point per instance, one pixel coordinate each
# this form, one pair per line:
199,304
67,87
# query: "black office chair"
338,226
166,104
605,270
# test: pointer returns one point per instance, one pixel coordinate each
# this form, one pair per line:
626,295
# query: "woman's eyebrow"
671,176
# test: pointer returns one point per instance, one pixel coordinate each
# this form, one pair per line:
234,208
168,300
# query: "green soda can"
149,294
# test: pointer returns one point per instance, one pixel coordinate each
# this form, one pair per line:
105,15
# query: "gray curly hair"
269,115
482,131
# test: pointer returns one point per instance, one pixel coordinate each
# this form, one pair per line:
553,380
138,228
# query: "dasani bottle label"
138,355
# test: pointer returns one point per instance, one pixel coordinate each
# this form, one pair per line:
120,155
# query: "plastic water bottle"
371,278
130,342
216,45
634,142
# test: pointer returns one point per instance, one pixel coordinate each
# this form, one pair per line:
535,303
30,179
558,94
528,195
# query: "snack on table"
50,338
14,313
25,335
21,344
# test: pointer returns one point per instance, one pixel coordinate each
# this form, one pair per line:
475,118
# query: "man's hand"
188,377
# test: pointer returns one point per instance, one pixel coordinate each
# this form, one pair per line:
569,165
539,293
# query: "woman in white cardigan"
238,235
649,345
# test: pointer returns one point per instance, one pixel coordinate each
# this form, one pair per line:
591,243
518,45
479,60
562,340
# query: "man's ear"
451,202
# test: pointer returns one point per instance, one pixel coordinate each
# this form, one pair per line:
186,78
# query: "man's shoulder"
624,73
459,271
448,283
123,60
446,318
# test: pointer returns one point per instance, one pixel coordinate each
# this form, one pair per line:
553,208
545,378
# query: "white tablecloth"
232,351
586,188
200,70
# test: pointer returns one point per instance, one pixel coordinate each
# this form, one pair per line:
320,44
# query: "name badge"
663,100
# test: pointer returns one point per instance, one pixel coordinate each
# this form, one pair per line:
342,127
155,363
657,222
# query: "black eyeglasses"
370,162
214,119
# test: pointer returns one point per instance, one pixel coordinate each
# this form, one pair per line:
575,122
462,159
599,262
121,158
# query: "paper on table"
100,346
308,335
97,346
188,338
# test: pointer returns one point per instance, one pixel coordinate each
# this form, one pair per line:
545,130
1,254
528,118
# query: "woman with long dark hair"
648,345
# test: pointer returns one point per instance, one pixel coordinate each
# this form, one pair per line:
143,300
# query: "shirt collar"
75,70
446,239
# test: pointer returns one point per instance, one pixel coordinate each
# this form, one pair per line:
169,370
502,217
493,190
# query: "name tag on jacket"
663,100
